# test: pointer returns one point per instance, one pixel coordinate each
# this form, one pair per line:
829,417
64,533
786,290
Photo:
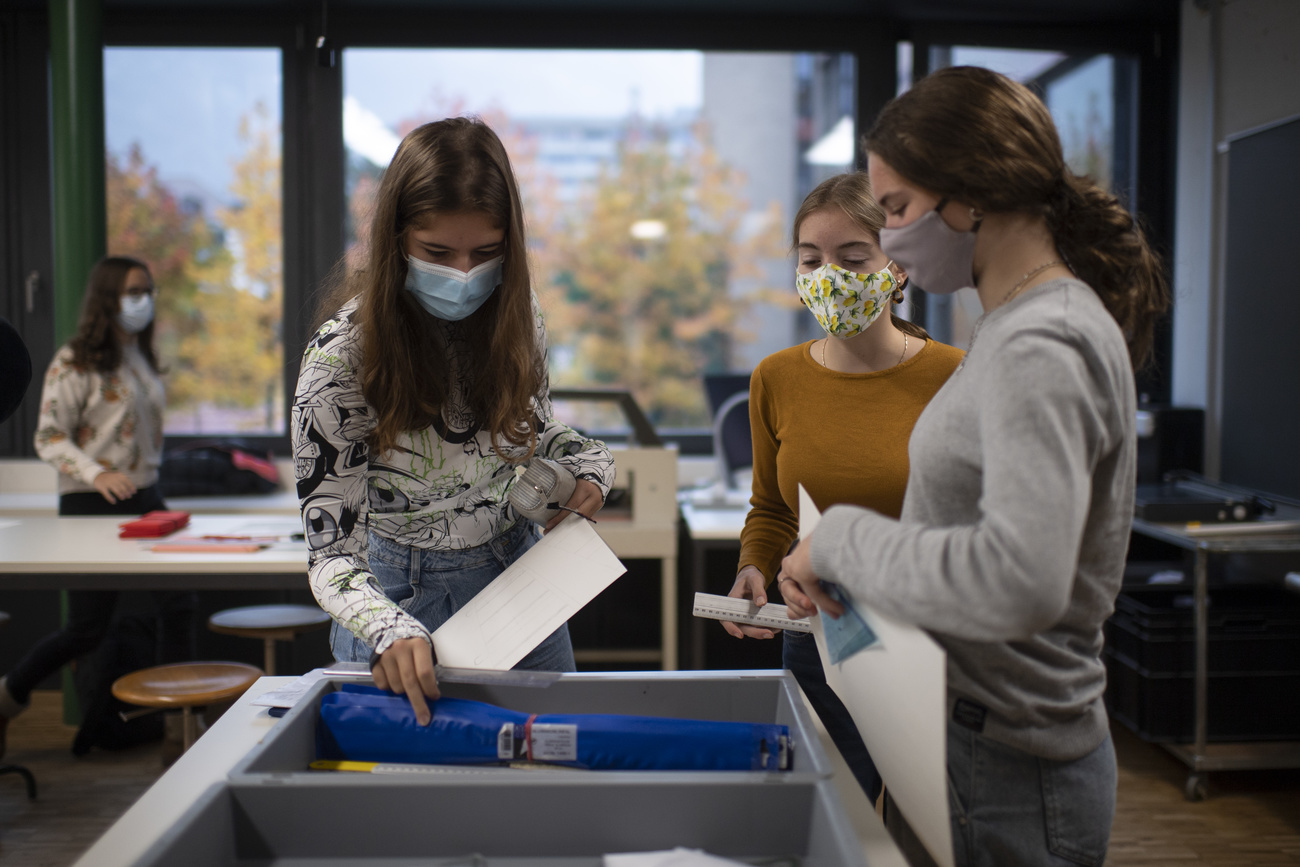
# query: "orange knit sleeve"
770,526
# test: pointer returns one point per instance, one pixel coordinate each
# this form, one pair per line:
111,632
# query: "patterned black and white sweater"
441,488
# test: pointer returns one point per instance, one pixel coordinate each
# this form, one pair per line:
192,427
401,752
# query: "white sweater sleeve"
63,402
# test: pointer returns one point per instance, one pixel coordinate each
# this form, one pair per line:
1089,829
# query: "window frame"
1151,135
312,125
306,203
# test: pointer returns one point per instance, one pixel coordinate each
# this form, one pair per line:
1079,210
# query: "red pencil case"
151,525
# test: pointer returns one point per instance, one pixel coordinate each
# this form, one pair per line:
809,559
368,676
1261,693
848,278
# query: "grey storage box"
766,697
273,810
500,823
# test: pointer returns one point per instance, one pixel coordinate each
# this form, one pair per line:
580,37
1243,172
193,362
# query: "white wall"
1239,67
749,104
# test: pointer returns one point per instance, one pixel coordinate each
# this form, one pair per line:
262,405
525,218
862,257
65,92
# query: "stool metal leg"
25,774
189,728
268,657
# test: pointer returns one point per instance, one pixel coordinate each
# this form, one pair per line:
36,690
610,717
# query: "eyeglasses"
139,291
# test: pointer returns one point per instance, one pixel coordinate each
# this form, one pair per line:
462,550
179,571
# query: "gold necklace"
903,355
1014,289
1025,279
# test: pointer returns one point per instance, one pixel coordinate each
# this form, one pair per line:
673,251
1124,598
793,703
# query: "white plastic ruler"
743,611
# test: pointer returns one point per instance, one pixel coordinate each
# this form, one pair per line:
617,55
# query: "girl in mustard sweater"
834,415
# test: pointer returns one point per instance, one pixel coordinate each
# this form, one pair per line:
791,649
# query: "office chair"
21,771
718,387
733,444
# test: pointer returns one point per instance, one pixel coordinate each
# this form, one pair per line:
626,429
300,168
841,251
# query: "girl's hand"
749,585
586,500
797,568
795,599
407,666
114,486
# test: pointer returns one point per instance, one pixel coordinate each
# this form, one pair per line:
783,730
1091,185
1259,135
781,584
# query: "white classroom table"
46,552
243,726
276,502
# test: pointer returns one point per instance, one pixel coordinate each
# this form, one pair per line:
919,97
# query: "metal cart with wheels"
1279,532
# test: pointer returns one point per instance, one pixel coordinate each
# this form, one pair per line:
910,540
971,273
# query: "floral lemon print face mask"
844,302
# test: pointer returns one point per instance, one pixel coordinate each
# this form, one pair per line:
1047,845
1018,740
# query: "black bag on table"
218,467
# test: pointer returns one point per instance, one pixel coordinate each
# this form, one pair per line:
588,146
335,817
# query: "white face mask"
136,313
845,302
938,257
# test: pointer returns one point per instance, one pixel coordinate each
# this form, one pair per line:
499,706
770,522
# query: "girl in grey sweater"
1011,544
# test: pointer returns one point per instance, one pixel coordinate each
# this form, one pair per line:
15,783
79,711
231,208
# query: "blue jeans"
799,654
1010,808
432,585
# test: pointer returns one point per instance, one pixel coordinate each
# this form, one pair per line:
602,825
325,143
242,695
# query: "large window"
658,186
194,190
1091,98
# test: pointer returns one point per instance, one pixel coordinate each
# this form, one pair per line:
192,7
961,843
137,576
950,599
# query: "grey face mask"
937,257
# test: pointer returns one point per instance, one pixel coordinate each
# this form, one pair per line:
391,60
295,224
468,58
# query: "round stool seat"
271,623
259,621
185,684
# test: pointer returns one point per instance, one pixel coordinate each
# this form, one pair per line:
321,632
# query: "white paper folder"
896,693
550,583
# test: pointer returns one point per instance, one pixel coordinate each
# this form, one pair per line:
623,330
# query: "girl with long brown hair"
101,427
834,415
1011,544
417,399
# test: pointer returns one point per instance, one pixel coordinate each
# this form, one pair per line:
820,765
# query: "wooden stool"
271,623
186,685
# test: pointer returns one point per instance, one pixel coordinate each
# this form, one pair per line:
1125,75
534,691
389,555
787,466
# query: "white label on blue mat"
506,742
554,743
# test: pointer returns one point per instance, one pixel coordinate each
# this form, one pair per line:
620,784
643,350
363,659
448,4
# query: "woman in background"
834,415
101,427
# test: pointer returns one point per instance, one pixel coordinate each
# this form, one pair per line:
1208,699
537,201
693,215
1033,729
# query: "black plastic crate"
1241,707
1253,629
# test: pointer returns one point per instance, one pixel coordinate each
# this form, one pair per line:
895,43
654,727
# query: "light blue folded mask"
849,634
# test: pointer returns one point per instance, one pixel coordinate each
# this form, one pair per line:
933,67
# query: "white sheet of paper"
896,692
564,571
679,857
290,694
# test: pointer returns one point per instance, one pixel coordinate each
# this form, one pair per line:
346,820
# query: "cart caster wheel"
1195,787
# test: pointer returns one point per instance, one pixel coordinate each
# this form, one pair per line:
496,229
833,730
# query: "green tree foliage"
220,283
652,313
244,345
148,221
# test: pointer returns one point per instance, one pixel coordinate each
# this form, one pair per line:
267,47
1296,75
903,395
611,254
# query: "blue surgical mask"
451,294
136,313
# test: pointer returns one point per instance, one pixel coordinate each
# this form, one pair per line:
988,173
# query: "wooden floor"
1251,818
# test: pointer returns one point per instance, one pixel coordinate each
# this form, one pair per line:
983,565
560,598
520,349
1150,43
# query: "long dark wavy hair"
984,140
95,346
449,166
851,193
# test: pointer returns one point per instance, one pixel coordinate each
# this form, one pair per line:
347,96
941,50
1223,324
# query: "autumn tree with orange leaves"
652,314
220,283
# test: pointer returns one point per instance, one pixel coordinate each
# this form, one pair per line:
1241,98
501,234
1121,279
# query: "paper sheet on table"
896,692
564,571
289,694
